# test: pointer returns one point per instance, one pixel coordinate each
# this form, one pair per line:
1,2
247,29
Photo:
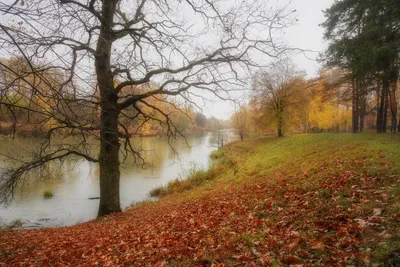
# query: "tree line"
356,90
283,101
31,118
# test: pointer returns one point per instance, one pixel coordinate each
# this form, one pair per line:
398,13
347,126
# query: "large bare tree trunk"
109,143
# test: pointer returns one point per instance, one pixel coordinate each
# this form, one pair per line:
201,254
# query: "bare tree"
190,49
276,89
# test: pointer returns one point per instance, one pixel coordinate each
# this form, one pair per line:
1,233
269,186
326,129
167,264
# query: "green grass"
257,158
217,154
194,178
142,203
47,194
260,157
16,223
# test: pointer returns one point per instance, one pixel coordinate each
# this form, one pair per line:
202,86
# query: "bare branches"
12,177
276,90
89,8
153,60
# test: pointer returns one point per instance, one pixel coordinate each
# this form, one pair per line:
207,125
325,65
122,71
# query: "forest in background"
32,116
322,104
355,91
281,100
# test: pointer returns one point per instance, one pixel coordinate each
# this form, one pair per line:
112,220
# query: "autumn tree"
320,104
241,122
276,91
328,108
34,105
191,49
200,120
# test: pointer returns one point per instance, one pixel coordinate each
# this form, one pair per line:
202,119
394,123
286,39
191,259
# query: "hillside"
316,200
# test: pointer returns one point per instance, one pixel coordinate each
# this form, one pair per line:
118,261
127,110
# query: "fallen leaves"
295,221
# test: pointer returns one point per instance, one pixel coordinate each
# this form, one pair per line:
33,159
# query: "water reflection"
78,181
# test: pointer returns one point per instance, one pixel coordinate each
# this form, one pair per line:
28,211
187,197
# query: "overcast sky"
305,34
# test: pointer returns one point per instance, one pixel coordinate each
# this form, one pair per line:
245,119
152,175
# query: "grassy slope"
306,199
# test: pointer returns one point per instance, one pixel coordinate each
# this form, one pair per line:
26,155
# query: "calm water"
78,181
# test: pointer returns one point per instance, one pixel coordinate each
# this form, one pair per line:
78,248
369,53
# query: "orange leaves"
294,243
252,224
325,112
317,245
291,260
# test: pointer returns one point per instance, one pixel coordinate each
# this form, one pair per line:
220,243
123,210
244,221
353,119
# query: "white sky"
305,34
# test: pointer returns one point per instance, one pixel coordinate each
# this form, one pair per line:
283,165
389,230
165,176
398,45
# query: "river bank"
306,199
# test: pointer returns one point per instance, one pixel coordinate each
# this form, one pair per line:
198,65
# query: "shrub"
16,223
48,194
217,154
195,177
158,191
142,203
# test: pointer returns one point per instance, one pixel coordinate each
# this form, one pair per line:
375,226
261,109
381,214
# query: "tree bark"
381,124
109,142
394,122
362,113
386,107
280,133
393,104
280,125
398,127
354,112
378,107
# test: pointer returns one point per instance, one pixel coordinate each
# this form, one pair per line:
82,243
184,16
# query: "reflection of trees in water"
49,175
152,150
17,152
156,151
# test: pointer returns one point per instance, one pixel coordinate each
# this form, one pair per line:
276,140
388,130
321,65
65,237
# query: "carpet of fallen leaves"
321,217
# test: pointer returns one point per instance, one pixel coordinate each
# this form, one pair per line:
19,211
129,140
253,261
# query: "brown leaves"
291,260
317,245
254,224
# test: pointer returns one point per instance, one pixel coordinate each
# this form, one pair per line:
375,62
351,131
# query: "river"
78,181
